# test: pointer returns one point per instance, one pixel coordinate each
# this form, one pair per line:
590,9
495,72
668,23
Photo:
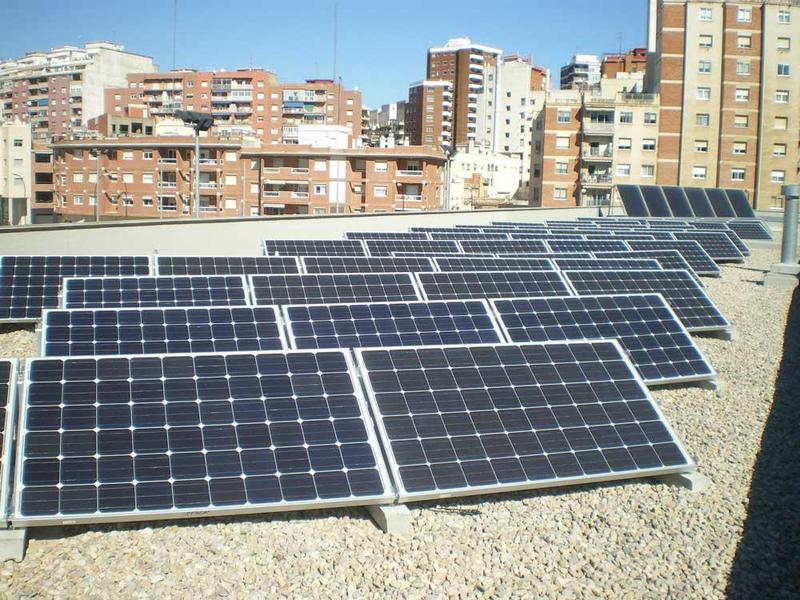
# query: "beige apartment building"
153,177
429,113
727,74
15,171
246,102
60,90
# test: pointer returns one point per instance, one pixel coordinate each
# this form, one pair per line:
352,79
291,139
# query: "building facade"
480,178
15,171
62,89
582,72
727,74
632,61
429,113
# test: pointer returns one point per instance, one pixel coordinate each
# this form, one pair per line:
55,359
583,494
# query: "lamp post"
200,122
784,274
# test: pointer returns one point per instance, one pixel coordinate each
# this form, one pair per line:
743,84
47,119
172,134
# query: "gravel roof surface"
629,540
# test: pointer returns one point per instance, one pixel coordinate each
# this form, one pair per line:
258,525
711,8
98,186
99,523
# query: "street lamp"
200,122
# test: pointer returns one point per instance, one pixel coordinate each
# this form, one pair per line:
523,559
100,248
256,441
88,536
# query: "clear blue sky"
382,45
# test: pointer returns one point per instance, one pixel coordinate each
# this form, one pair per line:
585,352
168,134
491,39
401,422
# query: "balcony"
408,198
475,77
598,127
597,179
299,194
410,172
598,154
169,184
477,67
272,170
299,170
208,161
476,57
475,87
208,185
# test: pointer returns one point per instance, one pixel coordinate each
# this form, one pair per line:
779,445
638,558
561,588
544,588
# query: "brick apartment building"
429,113
727,74
62,89
632,61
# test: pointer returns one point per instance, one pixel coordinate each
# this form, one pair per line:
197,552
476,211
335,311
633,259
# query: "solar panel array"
490,284
386,247
692,252
716,243
666,259
604,264
469,263
472,419
332,288
314,248
225,265
365,264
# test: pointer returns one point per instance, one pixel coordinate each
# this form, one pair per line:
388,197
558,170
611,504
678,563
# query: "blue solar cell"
333,287
225,265
491,284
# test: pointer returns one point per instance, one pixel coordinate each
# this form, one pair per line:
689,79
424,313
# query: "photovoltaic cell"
620,236
365,264
147,437
548,234
657,204
716,243
720,203
29,284
391,324
333,288
692,252
698,200
740,204
387,247
677,200
681,291
8,414
750,230
130,292
470,263
476,419
652,335
666,259
468,235
491,284
314,248
385,235
550,255
604,264
474,228
633,201
587,245
499,247
160,330
225,265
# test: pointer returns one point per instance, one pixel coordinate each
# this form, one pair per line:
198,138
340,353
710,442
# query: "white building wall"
15,171
499,171
109,68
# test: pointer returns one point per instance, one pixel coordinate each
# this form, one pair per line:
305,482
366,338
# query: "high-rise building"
583,72
632,61
727,74
473,72
62,89
429,113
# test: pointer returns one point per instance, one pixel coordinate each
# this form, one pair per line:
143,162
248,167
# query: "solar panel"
692,252
365,264
666,259
432,256
737,241
633,201
548,255
716,243
750,230
391,324
587,245
570,223
657,204
603,264
720,203
698,200
385,235
469,263
490,418
612,220
314,247
333,287
468,235
178,290
684,295
473,228
30,283
143,437
518,224
677,200
8,420
225,265
387,247
548,234
491,284
713,225
513,246
97,332
740,204
620,236
653,337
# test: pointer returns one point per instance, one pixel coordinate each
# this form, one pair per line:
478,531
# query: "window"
623,170
699,172
650,118
147,201
783,70
77,200
380,166
706,41
562,141
781,123
230,179
563,116
77,155
320,189
379,191
704,93
77,178
778,176
784,17
740,147
744,15
17,143
779,150
92,177
784,43
742,95
737,174
230,156
127,155
782,96
701,146
147,178
704,66
92,200
320,165
744,41
743,67
626,117
648,171
127,201
559,193
741,121
127,178
702,119
706,14
648,144
147,155
561,167
624,144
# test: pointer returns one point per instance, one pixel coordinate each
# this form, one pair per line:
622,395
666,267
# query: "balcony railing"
299,170
410,172
299,194
272,169
169,184
208,185
596,179
208,161
598,154
408,198
167,161
598,127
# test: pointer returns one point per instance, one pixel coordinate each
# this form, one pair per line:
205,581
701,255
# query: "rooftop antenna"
174,30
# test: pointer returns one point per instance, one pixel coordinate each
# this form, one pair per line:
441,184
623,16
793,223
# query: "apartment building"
632,61
42,185
481,178
586,142
473,72
387,125
62,89
153,177
583,71
727,74
244,102
15,171
429,113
